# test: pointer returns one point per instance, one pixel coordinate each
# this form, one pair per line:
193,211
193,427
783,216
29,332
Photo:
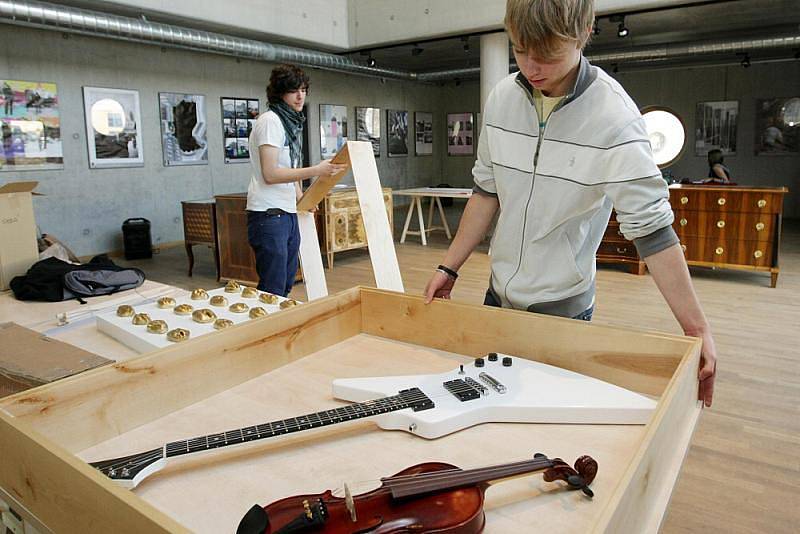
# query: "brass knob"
622,250
684,200
762,203
683,248
719,251
684,222
758,254
720,224
721,201
759,226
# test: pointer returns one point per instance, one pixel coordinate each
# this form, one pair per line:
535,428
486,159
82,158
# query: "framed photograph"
183,129
113,127
332,129
715,127
397,122
368,128
778,127
423,133
30,127
238,118
460,134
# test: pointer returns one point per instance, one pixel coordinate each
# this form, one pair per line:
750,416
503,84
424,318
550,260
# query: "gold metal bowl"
183,309
288,303
166,302
125,311
257,312
203,315
249,292
218,300
268,298
199,294
157,327
140,319
221,324
178,335
232,287
239,307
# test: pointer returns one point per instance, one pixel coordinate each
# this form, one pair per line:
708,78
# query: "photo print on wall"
397,122
332,129
715,127
423,133
31,128
460,134
368,128
238,117
113,127
183,129
778,126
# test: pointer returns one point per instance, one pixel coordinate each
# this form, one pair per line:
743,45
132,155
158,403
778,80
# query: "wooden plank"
314,194
63,491
643,362
311,257
376,222
83,410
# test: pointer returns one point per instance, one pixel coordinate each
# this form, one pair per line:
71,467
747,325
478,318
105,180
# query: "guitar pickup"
462,391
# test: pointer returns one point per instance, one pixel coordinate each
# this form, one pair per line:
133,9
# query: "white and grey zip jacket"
556,190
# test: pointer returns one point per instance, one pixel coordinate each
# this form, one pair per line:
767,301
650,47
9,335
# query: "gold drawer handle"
683,248
759,226
684,200
720,224
758,254
721,201
622,250
762,203
684,222
719,251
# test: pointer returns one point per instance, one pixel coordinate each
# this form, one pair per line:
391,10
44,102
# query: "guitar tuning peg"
539,455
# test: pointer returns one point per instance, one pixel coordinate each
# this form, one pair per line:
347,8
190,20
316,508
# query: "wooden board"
322,185
311,257
42,430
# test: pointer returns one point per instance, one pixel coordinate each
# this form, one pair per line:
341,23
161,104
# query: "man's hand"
708,369
439,286
326,168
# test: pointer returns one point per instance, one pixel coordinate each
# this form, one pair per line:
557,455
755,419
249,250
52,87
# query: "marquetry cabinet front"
342,223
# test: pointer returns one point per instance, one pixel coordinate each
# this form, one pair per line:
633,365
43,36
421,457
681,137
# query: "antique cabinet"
342,224
200,228
732,227
283,365
236,259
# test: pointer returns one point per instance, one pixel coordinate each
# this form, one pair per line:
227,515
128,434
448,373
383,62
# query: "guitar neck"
411,398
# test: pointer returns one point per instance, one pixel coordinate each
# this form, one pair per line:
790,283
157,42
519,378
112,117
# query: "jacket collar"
586,75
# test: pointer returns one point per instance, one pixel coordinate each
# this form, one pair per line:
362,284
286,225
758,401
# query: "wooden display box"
288,360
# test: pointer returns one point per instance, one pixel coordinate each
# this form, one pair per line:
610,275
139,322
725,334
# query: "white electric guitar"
495,389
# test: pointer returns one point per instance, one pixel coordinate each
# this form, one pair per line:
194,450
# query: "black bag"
54,280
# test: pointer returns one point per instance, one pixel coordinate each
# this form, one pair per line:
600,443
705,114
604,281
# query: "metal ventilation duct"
85,22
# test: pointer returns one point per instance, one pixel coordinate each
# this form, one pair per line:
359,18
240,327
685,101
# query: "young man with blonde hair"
562,143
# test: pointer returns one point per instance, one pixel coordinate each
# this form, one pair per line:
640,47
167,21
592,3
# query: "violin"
428,497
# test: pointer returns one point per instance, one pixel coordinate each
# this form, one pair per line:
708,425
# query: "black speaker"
136,239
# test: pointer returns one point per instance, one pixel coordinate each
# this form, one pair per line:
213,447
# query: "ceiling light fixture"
622,30
746,60
465,39
595,28
371,61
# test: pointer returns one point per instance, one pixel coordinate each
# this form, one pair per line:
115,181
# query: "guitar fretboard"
412,398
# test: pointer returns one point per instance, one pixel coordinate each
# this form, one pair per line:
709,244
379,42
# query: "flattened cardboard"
29,359
18,247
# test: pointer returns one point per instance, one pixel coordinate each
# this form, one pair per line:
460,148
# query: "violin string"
453,478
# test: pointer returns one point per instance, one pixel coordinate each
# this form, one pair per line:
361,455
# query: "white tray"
139,339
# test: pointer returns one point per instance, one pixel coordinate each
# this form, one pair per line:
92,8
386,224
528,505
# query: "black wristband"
448,271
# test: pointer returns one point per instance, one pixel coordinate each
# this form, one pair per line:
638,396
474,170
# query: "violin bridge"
350,504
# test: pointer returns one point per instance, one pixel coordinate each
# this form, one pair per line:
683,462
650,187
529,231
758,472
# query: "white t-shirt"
261,196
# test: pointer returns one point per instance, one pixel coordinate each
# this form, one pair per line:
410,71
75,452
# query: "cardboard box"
18,248
29,359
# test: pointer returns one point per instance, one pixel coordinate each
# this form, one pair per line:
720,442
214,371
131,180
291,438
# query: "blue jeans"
275,240
585,315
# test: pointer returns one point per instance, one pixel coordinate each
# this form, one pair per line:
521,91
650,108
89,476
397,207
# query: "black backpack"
54,280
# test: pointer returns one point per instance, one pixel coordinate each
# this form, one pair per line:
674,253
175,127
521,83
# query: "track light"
622,30
465,39
595,28
615,68
417,50
746,60
371,61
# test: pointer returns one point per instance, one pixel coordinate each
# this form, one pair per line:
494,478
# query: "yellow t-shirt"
544,105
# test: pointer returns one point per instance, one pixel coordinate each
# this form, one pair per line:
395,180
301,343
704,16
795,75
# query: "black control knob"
507,361
492,356
479,362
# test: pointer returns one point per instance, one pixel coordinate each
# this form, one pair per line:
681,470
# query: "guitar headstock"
128,471
578,478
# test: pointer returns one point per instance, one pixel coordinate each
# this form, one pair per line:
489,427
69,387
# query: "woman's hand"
328,168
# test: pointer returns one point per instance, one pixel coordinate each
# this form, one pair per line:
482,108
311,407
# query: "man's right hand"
327,168
439,286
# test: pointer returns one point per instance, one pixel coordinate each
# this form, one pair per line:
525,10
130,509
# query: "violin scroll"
578,478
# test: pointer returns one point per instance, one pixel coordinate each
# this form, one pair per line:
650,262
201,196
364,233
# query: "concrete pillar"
494,62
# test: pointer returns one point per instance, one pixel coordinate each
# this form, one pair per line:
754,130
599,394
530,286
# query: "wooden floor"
742,473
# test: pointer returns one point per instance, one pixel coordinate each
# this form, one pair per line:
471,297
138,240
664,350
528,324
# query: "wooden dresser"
200,228
731,227
339,225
